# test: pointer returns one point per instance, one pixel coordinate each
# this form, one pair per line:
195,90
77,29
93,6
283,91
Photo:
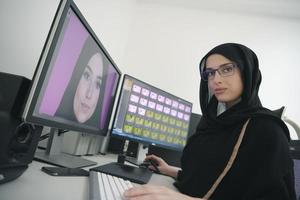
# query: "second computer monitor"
152,116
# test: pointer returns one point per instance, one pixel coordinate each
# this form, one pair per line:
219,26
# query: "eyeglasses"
224,70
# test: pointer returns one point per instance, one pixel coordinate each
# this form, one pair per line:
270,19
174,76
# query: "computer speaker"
18,140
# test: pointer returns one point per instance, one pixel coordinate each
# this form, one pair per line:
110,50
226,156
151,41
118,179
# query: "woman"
81,102
262,168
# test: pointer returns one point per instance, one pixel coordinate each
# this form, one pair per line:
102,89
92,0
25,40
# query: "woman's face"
88,89
227,89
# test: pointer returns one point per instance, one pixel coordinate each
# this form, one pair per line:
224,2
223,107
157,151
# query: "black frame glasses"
224,70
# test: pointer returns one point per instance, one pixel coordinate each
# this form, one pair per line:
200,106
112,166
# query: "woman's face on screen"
88,89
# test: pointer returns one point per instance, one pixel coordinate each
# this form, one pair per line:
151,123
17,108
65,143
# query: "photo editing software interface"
152,116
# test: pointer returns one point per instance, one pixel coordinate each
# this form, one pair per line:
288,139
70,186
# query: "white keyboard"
107,187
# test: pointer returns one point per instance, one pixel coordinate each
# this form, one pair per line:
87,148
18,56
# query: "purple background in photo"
109,86
75,35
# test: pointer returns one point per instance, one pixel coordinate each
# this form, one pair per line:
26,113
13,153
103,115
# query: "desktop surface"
35,184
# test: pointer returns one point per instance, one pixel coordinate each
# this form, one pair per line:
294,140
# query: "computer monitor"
74,84
150,116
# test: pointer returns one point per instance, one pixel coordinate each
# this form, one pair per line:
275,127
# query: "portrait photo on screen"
82,99
80,82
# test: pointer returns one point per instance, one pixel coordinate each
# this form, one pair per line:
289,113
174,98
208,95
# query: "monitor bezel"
43,66
145,142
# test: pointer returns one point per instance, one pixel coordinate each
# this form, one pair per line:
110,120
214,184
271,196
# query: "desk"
37,185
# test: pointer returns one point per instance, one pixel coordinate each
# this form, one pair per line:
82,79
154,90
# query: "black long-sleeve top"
263,168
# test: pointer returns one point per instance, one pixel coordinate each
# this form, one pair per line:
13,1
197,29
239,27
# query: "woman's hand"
150,192
163,167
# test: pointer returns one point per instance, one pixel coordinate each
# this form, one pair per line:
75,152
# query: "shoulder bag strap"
229,164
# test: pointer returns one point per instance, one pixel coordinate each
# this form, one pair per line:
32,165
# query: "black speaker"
18,140
116,146
194,121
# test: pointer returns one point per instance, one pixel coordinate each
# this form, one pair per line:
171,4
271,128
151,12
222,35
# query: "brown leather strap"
229,164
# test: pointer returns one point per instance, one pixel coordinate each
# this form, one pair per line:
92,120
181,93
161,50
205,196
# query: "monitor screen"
75,82
151,116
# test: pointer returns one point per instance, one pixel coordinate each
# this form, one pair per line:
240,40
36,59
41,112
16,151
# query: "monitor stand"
133,173
53,154
142,152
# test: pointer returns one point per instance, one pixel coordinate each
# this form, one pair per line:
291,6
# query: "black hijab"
250,105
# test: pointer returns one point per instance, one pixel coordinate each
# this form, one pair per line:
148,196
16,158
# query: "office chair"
280,112
293,124
295,144
297,177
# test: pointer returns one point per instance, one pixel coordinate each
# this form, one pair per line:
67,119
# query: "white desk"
37,185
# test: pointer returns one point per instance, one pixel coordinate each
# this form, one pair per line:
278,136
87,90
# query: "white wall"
162,41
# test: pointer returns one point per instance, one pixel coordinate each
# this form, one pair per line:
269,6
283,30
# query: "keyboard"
107,187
